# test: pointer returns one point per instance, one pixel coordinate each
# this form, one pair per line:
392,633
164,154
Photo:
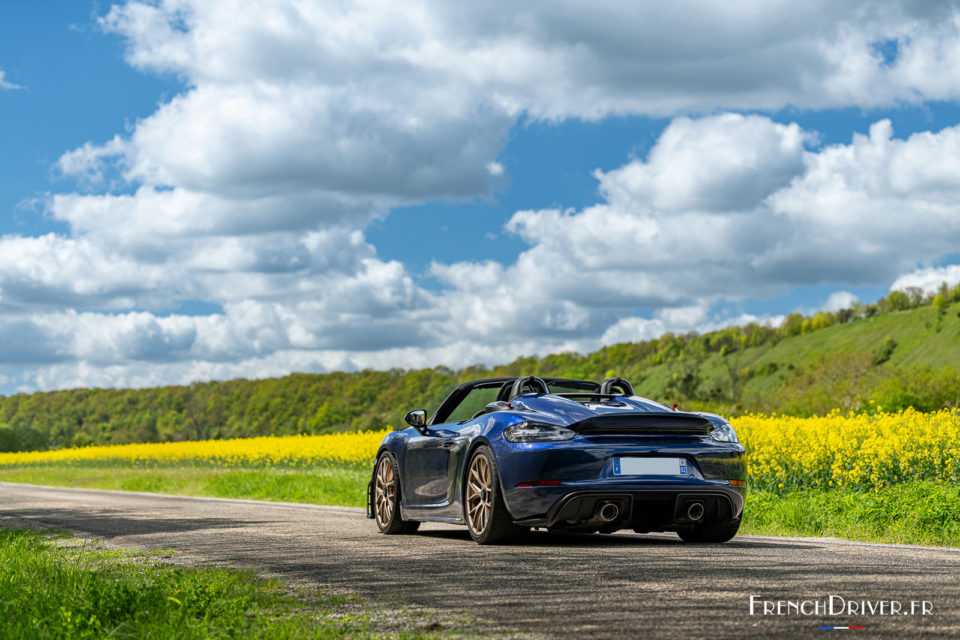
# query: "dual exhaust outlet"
610,511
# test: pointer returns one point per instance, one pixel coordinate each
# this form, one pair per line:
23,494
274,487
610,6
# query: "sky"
209,189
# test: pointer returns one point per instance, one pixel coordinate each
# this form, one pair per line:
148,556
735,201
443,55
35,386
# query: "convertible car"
505,455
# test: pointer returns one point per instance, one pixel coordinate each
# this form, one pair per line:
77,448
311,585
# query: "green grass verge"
919,512
59,588
332,484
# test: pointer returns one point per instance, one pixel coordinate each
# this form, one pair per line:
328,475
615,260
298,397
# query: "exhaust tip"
609,512
695,511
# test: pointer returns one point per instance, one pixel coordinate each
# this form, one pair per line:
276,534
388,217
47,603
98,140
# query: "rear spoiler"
645,422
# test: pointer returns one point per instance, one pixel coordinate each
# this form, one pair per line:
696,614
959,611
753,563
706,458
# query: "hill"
902,351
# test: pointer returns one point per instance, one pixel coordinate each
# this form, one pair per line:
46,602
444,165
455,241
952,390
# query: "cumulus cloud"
6,85
726,163
560,59
839,300
654,242
414,100
859,214
301,122
929,280
69,373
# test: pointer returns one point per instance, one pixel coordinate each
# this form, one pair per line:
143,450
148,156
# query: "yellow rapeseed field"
286,450
867,451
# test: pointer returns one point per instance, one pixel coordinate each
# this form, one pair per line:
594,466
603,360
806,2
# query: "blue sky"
187,193
76,88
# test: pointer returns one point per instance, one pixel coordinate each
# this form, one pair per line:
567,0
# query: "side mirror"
417,419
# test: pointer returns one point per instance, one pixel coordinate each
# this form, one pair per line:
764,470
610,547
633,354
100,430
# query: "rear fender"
466,466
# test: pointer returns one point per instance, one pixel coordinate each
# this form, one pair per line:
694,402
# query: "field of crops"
892,477
862,452
293,451
865,451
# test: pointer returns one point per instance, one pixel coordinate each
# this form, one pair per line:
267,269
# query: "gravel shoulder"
597,586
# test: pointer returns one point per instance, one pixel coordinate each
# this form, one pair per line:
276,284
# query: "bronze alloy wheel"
386,497
479,494
385,493
487,516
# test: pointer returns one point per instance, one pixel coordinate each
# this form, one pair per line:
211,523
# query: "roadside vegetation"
336,484
56,587
902,351
914,512
876,476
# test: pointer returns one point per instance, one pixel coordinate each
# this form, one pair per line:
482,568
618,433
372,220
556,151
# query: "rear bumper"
654,507
585,466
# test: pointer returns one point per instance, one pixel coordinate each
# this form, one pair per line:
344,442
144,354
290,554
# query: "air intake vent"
652,423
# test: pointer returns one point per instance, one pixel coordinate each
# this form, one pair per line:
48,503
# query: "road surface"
585,586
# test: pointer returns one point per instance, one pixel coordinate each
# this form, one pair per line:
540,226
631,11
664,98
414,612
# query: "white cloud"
54,271
302,121
839,300
726,163
151,217
6,85
929,280
495,168
139,349
654,242
859,213
414,100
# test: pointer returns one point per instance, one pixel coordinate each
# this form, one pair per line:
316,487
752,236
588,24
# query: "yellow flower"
290,450
865,450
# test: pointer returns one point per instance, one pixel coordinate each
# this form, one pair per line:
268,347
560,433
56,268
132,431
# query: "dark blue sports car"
504,455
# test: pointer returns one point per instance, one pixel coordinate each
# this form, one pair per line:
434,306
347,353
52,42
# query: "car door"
432,459
427,474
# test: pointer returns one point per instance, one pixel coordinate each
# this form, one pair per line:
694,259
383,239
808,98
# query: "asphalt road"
584,586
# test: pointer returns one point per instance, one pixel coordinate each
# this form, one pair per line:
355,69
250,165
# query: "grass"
916,512
331,483
57,588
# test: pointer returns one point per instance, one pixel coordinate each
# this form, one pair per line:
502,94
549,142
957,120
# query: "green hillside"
902,351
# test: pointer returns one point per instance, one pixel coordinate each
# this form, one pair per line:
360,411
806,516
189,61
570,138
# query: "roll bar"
517,388
610,383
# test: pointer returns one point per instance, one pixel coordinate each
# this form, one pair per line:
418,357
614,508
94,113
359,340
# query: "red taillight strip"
737,483
539,483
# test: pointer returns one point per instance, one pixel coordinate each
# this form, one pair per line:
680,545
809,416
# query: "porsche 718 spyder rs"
504,455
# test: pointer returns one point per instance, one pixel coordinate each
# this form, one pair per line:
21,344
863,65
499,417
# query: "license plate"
649,466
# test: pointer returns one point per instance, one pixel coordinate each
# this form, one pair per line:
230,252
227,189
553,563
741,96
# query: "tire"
710,532
386,497
484,510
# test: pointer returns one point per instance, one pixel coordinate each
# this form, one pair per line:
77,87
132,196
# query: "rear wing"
646,422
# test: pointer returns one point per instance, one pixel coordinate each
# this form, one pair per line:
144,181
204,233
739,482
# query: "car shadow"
583,540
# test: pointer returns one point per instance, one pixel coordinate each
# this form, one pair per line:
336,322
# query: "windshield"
475,401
